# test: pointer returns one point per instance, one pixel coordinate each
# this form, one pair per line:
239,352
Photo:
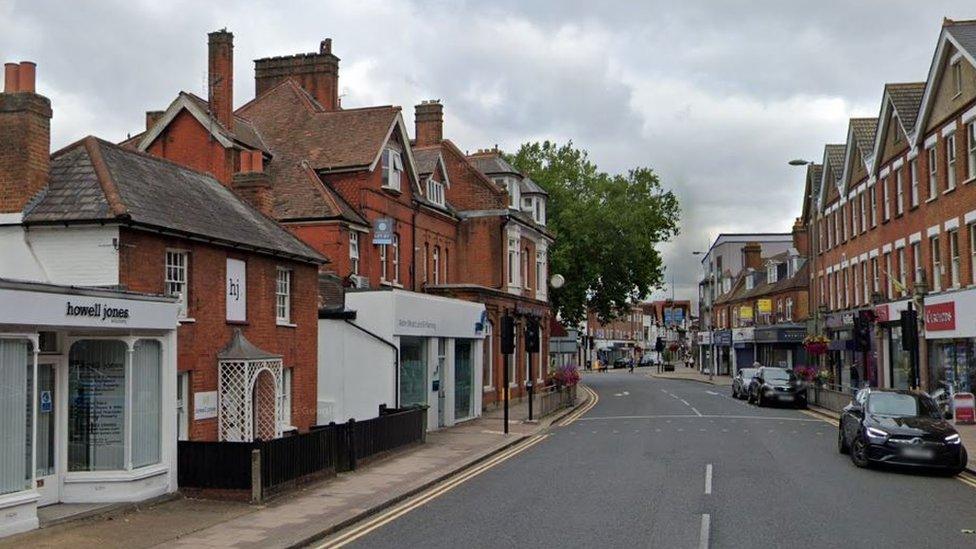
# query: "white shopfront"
87,398
438,342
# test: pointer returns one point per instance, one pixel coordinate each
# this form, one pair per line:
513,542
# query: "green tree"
607,229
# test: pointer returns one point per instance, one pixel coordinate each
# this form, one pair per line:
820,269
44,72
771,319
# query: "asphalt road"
633,472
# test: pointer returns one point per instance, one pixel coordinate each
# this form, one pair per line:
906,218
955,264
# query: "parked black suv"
899,428
777,386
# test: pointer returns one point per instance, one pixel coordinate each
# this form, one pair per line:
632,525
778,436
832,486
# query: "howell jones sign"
99,311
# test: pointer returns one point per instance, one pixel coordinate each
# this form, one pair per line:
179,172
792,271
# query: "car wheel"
859,452
801,404
841,443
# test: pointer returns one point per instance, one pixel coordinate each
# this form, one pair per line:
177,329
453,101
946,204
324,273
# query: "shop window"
96,406
146,399
413,371
176,279
488,372
283,296
16,383
354,252
463,379
950,144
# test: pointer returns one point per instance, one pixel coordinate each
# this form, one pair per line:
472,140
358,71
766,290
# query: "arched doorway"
264,398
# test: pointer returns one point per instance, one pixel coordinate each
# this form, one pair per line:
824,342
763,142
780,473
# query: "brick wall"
187,142
25,148
141,268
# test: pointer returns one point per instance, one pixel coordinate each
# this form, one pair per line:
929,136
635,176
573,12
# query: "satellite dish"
557,281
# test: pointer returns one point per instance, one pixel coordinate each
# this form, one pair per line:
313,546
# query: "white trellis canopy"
248,388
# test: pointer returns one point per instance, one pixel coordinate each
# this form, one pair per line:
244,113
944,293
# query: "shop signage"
745,312
205,405
765,306
781,335
673,316
236,297
723,338
529,310
881,313
890,312
704,338
47,404
98,311
940,316
743,335
383,231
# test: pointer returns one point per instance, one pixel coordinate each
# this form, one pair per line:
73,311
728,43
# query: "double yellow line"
421,499
593,399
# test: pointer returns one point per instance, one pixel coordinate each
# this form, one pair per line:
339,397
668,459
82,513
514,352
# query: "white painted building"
401,349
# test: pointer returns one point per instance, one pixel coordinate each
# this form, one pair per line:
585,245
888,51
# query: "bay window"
16,384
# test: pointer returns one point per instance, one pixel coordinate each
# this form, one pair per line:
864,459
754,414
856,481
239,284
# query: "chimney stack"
316,73
25,137
801,239
152,117
253,184
429,122
752,254
220,79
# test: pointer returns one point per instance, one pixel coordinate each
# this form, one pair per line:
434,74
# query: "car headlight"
953,439
876,433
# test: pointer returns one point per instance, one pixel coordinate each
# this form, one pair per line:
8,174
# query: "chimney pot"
245,162
10,76
326,46
26,78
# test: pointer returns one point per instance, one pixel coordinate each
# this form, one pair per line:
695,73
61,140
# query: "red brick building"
104,215
895,218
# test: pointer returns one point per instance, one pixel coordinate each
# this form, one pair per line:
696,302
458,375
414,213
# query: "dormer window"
539,214
513,192
750,280
435,192
771,273
392,169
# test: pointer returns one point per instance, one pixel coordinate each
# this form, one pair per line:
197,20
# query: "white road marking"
712,393
685,402
696,411
625,393
705,527
708,479
669,417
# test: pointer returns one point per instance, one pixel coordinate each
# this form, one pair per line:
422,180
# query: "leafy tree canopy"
607,229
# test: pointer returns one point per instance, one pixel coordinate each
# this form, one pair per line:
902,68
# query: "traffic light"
862,331
508,335
531,337
909,329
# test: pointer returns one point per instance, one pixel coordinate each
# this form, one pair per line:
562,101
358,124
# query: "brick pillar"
25,138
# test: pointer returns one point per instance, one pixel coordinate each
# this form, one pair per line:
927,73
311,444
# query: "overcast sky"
716,96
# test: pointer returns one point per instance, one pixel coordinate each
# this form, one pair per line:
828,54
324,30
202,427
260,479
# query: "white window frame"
876,273
971,147
956,69
886,197
936,263
874,207
435,191
950,144
954,258
283,295
789,309
392,169
899,193
933,160
864,213
525,269
177,283
513,262
183,405
396,258
889,280
284,399
437,265
382,262
918,263
514,194
865,281
913,168
354,252
902,266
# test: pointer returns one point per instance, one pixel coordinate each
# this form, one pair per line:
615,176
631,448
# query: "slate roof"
425,159
864,129
739,291
94,180
491,162
964,32
305,140
527,186
906,98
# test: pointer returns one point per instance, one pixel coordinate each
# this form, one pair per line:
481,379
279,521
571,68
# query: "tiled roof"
94,180
816,174
305,140
964,32
907,98
835,156
739,292
244,132
864,129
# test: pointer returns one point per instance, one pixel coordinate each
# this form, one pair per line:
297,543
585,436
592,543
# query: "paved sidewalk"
294,518
691,374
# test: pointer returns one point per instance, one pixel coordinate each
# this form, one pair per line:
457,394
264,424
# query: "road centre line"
417,501
706,524
702,416
708,479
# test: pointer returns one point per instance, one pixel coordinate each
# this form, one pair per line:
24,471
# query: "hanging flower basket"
816,345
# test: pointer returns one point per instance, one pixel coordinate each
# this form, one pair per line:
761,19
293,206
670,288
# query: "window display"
15,424
96,406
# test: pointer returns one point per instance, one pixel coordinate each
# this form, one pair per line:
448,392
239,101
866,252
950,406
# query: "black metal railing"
278,463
